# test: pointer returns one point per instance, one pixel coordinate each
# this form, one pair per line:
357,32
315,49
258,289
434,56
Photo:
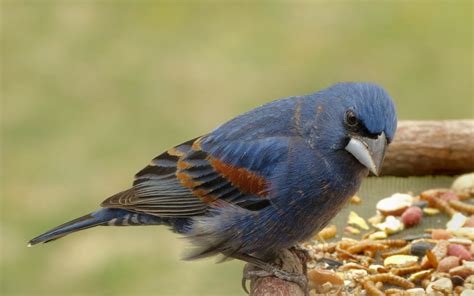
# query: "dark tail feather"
114,217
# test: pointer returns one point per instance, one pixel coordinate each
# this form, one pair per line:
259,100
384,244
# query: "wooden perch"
419,148
431,148
273,286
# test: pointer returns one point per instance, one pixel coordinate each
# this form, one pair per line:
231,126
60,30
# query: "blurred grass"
92,90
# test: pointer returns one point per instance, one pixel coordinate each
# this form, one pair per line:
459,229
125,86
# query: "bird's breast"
314,210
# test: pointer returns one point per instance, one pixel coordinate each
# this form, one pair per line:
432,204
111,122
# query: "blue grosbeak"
264,181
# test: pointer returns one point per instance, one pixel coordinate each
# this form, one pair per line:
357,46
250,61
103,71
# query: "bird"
262,182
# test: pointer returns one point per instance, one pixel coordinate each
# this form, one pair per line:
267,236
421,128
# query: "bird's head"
362,120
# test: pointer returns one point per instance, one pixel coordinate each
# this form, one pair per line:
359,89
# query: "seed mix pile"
438,261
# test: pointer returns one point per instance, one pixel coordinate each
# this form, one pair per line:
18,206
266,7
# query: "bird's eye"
351,119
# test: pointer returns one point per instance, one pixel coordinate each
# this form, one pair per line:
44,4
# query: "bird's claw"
299,279
251,272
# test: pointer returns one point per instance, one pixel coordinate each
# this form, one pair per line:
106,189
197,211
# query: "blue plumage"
102,217
263,181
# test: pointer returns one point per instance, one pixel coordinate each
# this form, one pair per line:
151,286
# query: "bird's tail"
102,217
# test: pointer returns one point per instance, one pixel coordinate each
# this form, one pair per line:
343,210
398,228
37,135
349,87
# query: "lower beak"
369,152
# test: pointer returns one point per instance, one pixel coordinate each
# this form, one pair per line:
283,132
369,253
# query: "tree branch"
431,148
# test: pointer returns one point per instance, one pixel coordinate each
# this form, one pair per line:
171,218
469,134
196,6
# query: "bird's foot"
302,254
288,267
251,272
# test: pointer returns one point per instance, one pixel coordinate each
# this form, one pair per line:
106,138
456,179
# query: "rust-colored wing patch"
246,181
210,178
185,180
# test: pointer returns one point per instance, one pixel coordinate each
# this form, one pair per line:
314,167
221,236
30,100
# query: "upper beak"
369,152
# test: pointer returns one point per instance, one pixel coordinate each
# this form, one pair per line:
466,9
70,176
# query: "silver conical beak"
369,152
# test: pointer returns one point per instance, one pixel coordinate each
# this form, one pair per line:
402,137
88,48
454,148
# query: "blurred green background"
92,90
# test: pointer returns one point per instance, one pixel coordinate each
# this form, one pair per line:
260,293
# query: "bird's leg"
302,254
257,268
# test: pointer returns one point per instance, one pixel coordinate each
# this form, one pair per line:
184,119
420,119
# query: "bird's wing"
185,180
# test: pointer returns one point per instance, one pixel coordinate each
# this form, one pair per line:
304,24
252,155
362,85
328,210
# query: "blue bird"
263,181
